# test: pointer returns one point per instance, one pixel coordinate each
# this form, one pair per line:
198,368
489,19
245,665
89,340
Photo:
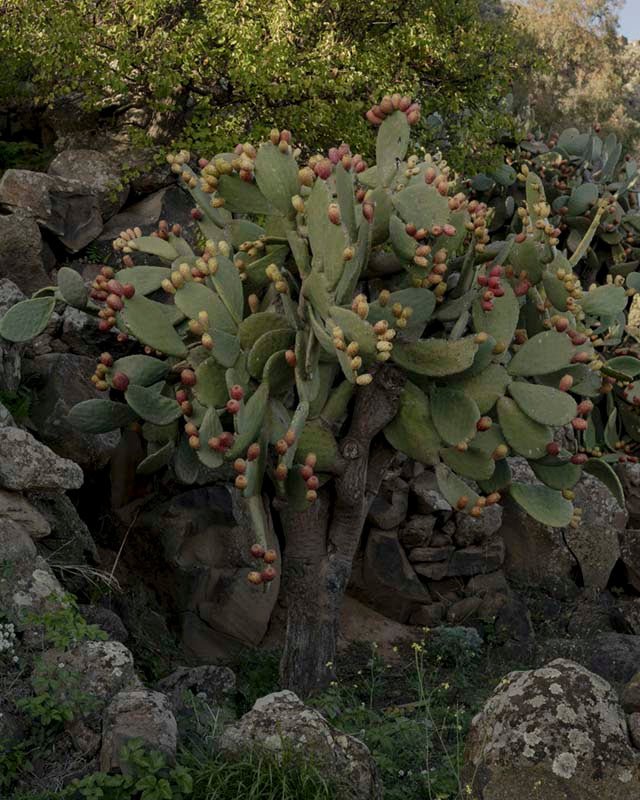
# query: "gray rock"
139,714
213,684
282,719
387,514
15,509
428,616
98,173
463,610
554,733
417,530
65,208
63,382
28,464
6,420
477,559
630,555
430,554
10,352
629,475
427,495
487,584
633,721
21,253
106,620
613,656
477,530
630,697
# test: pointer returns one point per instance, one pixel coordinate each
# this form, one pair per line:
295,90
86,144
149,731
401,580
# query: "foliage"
239,67
59,695
63,626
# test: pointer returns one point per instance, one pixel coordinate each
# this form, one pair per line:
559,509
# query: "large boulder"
282,720
629,475
16,510
26,463
65,208
630,555
212,684
21,252
555,733
10,352
63,381
96,171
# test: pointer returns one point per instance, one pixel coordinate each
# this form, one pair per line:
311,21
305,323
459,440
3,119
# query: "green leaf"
543,353
152,406
435,357
453,488
156,459
27,319
145,279
100,416
501,322
72,287
543,404
412,431
209,428
391,145
140,369
277,177
264,347
148,322
543,504
454,415
211,387
526,437
606,474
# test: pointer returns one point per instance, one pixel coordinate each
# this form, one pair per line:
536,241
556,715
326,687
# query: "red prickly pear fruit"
115,302
253,451
487,305
257,550
413,107
579,424
106,359
120,382
311,460
190,429
196,214
107,272
462,503
285,136
233,406
268,574
374,119
306,472
437,230
270,557
378,111
483,280
521,237
290,358
226,439
255,578
334,213
236,392
194,442
553,448
241,482
127,261
585,407
240,466
281,447
579,458
344,150
323,168
395,100
411,229
496,272
561,324
484,423
203,162
313,482
367,211
334,155
386,105
181,396
311,496
115,287
281,472
498,291
188,377
186,408
577,338
430,175
128,290
413,117
566,382
214,443
176,229
449,230
361,166
290,437
405,102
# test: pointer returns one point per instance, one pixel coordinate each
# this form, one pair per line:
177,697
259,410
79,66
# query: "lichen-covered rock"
477,530
10,352
211,683
630,697
387,513
107,620
629,475
139,714
15,509
99,174
630,555
552,733
417,530
427,495
26,463
21,253
282,719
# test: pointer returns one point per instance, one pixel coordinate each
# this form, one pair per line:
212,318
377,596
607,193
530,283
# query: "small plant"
59,696
63,627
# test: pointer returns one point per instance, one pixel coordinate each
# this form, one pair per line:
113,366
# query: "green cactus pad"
345,190
100,416
470,464
626,366
27,319
278,374
454,414
605,473
243,230
487,441
160,433
383,209
145,279
316,289
256,325
300,252
527,257
143,370
209,428
228,285
352,270
151,406
154,246
604,301
277,177
192,298
186,464
252,419
403,245
560,476
630,421
555,290
355,330
328,241
242,197
326,342
149,322
543,404
158,456
500,479
315,438
453,488
422,205
436,357
211,388
328,371
226,347
582,198
535,194
486,387
265,346
72,288
586,382
422,301
545,352
391,145
526,437
412,431
336,406
543,504
501,322
256,274
482,360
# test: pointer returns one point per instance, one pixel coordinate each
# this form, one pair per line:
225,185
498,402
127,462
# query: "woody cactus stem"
321,543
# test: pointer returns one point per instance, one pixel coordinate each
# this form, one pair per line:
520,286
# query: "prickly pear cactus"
309,278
